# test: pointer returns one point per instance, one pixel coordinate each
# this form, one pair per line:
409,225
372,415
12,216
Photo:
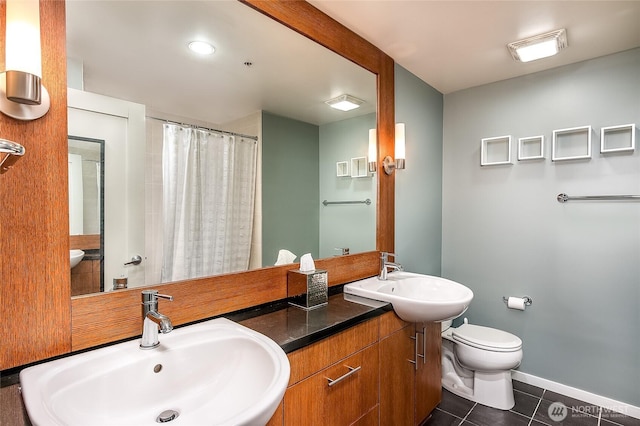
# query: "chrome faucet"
385,265
152,319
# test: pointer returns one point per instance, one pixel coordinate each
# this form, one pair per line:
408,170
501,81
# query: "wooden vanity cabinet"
380,384
410,370
428,390
312,399
397,377
337,395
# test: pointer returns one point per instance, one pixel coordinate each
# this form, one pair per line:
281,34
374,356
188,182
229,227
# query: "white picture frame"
571,144
342,169
359,167
495,151
531,148
620,138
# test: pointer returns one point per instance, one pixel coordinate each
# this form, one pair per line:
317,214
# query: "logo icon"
558,411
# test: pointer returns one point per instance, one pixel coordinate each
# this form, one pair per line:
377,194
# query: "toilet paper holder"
527,300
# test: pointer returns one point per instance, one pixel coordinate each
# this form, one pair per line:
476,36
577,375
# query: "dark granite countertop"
290,327
293,328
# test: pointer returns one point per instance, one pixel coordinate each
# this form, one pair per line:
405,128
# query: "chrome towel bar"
367,202
563,198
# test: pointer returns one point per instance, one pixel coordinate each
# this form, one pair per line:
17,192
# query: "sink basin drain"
167,416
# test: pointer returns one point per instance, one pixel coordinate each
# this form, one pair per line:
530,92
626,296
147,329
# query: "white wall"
505,234
121,125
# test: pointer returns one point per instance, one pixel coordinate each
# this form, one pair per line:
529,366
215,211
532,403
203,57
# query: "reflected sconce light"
373,151
388,163
539,46
22,95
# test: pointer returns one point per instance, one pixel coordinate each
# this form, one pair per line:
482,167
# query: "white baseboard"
591,398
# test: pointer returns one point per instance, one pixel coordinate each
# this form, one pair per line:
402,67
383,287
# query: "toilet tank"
446,324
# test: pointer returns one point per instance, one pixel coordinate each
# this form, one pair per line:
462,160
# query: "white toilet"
477,363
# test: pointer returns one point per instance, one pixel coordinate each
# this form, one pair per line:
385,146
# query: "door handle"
135,260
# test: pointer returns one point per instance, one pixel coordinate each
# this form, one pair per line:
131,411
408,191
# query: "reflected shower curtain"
208,197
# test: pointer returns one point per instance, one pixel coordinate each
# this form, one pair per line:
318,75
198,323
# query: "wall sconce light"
538,47
373,151
388,163
22,95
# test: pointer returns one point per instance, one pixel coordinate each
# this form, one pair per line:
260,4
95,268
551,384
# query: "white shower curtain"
208,198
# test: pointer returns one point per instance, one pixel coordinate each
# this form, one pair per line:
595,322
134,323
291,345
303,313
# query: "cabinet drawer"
315,357
353,393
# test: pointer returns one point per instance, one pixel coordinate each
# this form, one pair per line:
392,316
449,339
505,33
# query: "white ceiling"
453,45
136,50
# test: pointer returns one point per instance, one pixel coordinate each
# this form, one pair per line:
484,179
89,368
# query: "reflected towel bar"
563,198
13,152
367,202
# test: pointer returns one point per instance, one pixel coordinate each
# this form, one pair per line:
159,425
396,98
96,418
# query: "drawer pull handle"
424,345
344,376
417,355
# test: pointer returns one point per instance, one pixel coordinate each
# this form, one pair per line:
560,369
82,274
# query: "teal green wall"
347,225
504,233
418,190
290,187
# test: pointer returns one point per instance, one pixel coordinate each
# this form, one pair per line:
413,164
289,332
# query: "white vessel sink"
416,297
214,373
75,256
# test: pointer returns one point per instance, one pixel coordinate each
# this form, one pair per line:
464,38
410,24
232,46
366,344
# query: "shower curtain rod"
255,138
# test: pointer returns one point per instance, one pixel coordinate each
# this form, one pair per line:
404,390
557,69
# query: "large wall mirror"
134,83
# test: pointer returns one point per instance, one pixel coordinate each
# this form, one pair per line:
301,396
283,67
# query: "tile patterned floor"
531,409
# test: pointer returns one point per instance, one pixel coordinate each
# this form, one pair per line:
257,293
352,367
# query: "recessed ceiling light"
538,47
201,47
344,102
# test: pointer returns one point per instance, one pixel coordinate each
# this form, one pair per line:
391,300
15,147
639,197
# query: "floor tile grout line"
536,410
449,413
529,394
599,416
469,412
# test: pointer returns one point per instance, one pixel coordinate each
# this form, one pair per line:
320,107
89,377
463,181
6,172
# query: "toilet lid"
486,338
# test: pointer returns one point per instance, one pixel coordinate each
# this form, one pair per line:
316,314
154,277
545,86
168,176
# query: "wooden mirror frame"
40,320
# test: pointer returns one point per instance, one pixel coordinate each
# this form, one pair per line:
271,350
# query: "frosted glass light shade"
344,102
201,47
23,37
539,46
22,95
400,145
538,51
373,150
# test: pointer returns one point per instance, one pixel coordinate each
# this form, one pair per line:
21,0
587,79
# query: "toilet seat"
486,338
